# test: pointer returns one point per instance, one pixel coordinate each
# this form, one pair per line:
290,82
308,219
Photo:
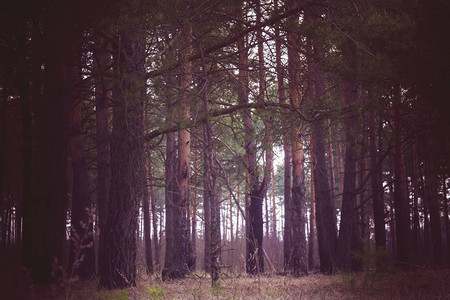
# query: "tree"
45,215
298,263
126,158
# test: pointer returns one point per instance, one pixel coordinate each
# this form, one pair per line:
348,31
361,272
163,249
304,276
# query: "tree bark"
126,160
377,192
146,209
156,241
82,259
325,206
298,263
349,214
45,216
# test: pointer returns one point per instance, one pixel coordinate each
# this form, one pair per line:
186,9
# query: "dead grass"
422,284
393,284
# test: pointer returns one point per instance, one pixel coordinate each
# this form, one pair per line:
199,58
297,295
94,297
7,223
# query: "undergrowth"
390,284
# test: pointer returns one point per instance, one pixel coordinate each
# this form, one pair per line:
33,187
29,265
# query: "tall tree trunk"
156,241
103,94
349,213
170,189
325,206
401,202
82,259
415,215
274,207
211,190
25,94
195,202
146,209
377,192
287,234
45,216
185,259
254,219
431,196
299,261
126,159
313,253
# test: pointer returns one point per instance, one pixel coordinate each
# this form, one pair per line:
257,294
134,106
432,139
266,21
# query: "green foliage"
155,292
217,288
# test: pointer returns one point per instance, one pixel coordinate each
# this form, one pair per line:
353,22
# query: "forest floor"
391,284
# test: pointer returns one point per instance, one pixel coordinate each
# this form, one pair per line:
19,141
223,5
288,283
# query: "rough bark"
298,263
313,250
325,206
287,235
103,94
377,193
126,160
146,209
156,241
195,203
349,205
170,192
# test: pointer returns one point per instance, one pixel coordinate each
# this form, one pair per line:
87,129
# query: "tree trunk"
400,198
170,191
313,253
325,206
156,241
431,196
44,225
82,259
349,214
103,94
298,263
211,191
126,159
377,193
287,234
146,209
195,202
254,219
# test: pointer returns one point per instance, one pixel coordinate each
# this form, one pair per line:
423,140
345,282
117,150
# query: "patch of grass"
392,284
217,288
155,292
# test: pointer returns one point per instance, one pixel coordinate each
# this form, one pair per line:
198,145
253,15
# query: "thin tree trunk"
325,206
349,215
156,241
82,259
274,208
400,198
211,190
415,180
195,203
170,190
313,253
146,165
431,196
377,193
287,234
